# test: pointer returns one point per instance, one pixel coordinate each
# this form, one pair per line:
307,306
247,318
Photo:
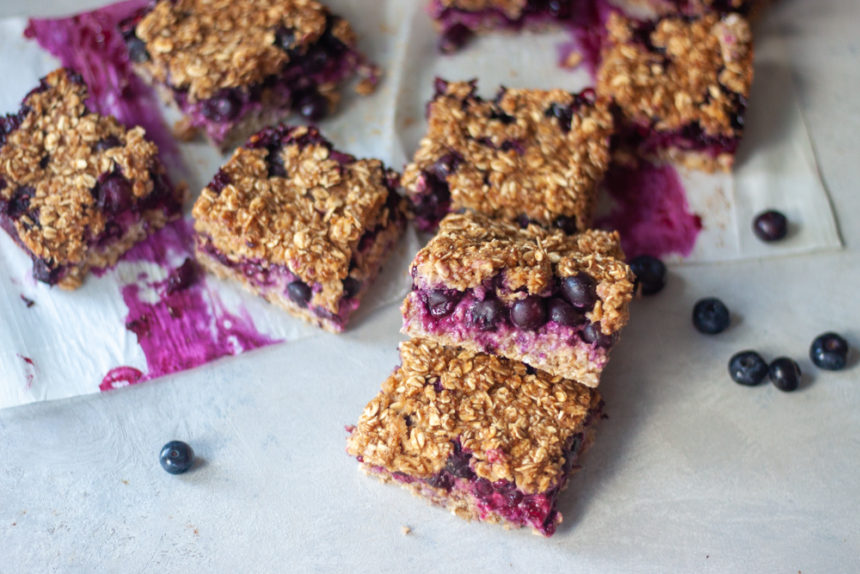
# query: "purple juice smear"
651,211
92,44
31,374
178,329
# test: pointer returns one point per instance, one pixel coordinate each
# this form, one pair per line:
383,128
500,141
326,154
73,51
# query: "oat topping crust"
515,424
203,46
54,152
471,248
516,157
695,70
513,9
310,221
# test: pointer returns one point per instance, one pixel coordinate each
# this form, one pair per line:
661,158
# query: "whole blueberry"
529,313
580,290
785,374
563,313
770,226
650,274
223,107
313,106
300,293
176,457
487,314
107,143
114,194
593,335
829,352
454,38
137,51
441,302
566,223
747,368
711,316
351,287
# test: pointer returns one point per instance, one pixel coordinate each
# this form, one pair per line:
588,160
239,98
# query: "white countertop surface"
691,472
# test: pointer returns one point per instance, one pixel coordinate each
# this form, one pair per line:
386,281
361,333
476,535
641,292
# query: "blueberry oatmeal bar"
746,7
77,189
680,86
525,156
235,66
557,302
488,438
459,20
299,223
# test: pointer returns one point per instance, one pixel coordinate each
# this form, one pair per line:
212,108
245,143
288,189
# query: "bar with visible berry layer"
554,301
525,156
233,67
459,20
488,438
77,189
680,87
299,223
745,7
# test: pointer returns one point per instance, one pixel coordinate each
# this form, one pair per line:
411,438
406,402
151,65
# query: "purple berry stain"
651,211
185,327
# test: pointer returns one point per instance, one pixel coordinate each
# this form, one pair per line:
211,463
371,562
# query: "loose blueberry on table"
748,368
711,316
176,457
829,352
785,374
770,226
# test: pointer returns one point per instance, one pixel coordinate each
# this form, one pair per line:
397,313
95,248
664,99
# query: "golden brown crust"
471,248
203,46
515,424
694,74
62,131
524,164
310,221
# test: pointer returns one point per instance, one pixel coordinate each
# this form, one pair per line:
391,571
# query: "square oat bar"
557,302
525,156
299,223
488,438
77,189
233,67
680,86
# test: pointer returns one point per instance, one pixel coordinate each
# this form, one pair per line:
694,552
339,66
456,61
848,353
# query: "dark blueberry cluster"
574,297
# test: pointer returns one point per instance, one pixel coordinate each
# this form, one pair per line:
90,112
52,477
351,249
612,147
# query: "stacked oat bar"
514,307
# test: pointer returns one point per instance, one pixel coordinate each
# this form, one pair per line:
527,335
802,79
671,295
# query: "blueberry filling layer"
649,141
502,497
296,88
554,321
269,278
458,25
